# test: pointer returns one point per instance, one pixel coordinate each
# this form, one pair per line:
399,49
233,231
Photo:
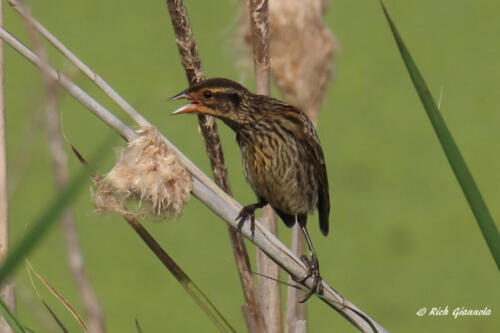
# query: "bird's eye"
207,94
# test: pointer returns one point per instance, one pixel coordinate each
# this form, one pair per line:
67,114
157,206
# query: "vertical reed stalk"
7,290
296,313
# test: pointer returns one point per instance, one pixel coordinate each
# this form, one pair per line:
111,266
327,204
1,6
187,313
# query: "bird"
281,156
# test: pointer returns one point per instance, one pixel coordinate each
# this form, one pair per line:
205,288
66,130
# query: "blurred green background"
403,235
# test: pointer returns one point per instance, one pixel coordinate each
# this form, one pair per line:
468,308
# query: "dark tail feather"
324,213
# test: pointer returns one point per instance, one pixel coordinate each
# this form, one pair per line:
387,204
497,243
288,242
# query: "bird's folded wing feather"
323,189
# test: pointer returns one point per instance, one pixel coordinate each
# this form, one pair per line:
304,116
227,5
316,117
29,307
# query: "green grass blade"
48,218
457,163
9,317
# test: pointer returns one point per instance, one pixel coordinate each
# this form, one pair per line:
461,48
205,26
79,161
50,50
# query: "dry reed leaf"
147,181
302,50
57,295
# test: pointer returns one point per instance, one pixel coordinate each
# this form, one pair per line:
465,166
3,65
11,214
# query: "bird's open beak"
188,108
179,96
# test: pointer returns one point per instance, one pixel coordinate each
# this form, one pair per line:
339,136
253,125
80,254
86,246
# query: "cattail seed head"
302,50
147,180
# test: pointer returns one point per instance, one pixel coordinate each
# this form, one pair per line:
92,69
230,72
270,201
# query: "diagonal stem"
99,81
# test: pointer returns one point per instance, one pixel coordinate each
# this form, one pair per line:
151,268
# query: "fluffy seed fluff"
147,181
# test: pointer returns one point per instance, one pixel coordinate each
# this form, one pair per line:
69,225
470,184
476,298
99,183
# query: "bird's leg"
249,212
312,267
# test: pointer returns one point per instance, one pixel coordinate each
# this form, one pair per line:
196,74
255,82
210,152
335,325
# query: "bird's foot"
247,212
312,270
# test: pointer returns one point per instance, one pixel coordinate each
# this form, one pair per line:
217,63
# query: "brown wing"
320,171
299,119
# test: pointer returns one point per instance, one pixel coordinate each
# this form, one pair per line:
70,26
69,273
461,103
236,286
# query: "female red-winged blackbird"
280,151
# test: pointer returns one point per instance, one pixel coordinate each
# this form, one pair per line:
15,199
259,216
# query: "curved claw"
313,270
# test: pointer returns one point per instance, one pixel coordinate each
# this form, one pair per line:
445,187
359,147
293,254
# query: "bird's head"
221,98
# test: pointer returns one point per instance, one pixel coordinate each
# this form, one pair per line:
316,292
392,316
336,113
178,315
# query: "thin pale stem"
259,28
6,290
269,289
295,311
217,200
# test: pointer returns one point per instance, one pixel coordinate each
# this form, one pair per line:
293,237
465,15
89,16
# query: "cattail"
147,181
302,50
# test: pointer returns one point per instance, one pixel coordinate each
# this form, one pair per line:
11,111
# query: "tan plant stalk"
296,313
214,198
7,290
194,73
59,159
269,288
